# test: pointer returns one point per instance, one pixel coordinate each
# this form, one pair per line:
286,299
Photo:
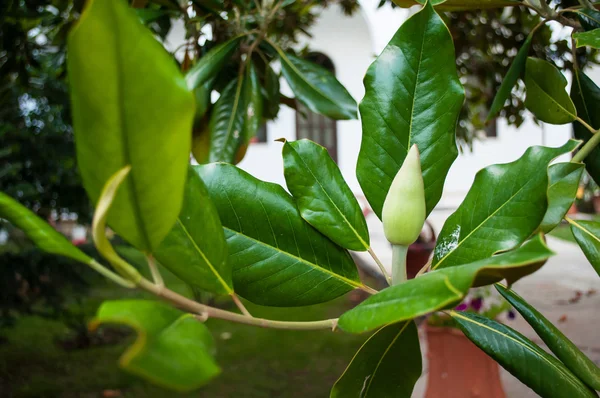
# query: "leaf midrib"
347,281
210,265
533,81
581,227
130,183
366,246
383,356
233,115
520,343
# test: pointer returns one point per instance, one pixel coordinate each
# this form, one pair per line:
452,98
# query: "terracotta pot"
573,209
596,202
458,368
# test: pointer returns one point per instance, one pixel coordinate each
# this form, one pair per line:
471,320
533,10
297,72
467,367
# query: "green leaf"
559,344
316,87
537,369
40,232
459,5
586,96
562,189
278,259
413,96
121,119
514,72
211,63
443,288
590,38
322,195
172,349
546,97
271,93
505,205
227,123
254,104
387,365
587,235
590,19
195,249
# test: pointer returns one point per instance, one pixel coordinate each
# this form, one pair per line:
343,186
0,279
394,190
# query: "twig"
156,276
425,267
240,305
205,311
388,278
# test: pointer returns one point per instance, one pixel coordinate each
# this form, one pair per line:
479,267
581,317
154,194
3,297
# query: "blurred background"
46,301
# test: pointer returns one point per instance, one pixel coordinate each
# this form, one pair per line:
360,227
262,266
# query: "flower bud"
404,210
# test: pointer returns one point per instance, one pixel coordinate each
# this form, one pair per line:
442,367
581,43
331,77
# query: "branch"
388,278
205,311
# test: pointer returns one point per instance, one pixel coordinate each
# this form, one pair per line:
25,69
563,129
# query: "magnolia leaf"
172,349
121,119
505,205
211,63
322,195
590,19
278,259
254,104
586,97
512,76
590,38
587,235
562,188
316,87
40,232
195,249
413,96
459,5
559,344
537,369
227,123
443,288
546,97
387,365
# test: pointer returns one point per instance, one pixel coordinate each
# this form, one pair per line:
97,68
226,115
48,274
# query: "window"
313,126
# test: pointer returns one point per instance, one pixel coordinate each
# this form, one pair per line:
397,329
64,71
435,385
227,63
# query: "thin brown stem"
368,289
240,305
388,278
206,312
425,268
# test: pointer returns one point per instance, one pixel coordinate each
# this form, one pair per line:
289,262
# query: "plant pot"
419,252
458,368
573,209
596,202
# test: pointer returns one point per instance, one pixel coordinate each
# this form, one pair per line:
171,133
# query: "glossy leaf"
316,87
172,349
387,365
590,38
590,19
227,123
211,63
120,119
278,259
587,235
195,249
559,344
443,288
512,76
322,195
413,96
537,369
40,232
254,104
563,183
271,94
546,97
459,5
505,205
586,97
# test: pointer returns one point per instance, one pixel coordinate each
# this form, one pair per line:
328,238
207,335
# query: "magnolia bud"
404,210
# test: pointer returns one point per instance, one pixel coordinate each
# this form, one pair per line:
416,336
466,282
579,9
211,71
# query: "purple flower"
511,314
462,307
477,303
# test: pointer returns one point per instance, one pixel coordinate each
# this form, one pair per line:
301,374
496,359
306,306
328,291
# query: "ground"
267,363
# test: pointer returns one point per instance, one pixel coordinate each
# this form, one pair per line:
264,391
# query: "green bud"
404,210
